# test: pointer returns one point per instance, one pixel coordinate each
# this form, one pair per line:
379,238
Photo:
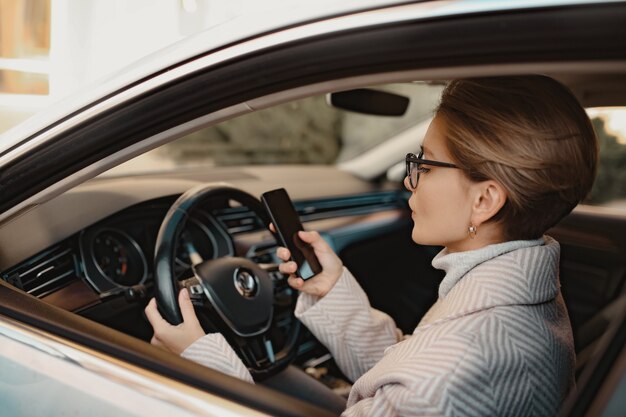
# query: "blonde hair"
528,133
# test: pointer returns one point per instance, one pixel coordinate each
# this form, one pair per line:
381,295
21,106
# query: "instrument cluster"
120,253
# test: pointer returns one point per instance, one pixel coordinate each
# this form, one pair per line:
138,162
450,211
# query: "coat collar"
509,273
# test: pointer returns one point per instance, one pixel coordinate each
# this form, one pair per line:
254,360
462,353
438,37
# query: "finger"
283,253
272,228
288,267
186,307
295,282
153,315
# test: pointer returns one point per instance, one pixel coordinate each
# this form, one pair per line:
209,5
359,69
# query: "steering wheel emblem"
247,283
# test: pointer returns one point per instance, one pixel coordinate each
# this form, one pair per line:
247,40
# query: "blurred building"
51,48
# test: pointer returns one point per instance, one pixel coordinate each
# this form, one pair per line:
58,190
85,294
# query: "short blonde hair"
530,134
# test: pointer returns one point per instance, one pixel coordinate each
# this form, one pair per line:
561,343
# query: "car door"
42,374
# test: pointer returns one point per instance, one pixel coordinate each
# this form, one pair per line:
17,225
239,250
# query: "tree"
610,182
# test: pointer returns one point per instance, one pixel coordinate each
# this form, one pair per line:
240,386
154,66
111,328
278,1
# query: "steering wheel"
236,294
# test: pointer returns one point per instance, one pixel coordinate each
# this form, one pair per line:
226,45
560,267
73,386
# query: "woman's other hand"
175,338
332,267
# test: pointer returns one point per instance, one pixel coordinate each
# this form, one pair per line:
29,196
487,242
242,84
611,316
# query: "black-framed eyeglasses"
414,167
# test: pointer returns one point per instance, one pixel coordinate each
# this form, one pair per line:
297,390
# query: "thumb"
153,315
314,239
186,307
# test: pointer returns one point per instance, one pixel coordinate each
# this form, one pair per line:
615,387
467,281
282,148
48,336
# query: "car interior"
113,202
175,174
91,251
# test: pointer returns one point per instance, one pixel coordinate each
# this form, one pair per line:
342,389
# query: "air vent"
238,220
262,254
242,219
350,205
45,273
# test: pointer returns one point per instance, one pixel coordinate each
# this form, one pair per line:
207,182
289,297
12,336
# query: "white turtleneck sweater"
497,341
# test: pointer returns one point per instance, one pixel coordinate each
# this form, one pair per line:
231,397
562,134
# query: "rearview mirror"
367,101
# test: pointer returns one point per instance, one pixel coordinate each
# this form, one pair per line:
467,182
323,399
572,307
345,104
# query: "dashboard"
104,271
114,257
90,250
117,253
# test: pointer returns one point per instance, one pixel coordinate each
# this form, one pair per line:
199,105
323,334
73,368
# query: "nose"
411,199
407,184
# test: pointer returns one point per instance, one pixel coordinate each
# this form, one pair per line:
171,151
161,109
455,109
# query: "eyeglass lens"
413,172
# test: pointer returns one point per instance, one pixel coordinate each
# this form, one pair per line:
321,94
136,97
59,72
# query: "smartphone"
287,224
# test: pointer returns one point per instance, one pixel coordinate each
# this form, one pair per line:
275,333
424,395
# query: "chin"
418,236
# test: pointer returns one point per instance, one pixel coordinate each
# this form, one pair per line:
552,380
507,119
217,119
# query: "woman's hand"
332,267
175,338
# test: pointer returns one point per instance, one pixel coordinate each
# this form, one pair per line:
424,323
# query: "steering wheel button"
195,289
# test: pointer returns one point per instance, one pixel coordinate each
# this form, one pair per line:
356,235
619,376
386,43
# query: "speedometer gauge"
118,257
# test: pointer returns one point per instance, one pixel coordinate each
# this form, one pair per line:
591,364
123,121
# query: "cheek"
428,200
439,214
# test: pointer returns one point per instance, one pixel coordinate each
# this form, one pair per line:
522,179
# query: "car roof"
247,27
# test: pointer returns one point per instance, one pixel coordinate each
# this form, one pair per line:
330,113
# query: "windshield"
307,131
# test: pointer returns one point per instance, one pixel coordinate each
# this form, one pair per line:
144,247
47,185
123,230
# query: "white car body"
76,379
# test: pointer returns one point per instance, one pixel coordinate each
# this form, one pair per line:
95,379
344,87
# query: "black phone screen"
287,224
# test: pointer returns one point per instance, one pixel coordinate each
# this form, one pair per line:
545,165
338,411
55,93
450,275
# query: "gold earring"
472,231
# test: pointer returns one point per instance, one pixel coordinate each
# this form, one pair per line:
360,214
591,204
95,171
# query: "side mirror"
367,101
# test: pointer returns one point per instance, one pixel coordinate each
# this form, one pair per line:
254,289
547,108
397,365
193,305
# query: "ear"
488,199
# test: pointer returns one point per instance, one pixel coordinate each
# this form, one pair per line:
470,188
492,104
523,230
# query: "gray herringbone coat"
496,343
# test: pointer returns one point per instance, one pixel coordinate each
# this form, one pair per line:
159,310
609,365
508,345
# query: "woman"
503,160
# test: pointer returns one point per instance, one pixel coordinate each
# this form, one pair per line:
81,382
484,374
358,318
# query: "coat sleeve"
393,400
343,320
213,351
413,380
